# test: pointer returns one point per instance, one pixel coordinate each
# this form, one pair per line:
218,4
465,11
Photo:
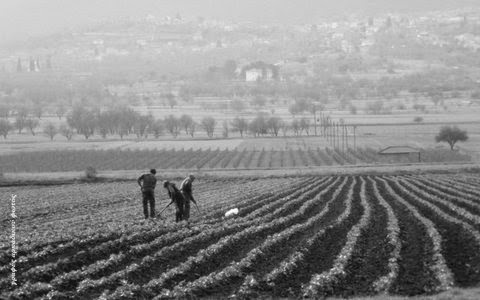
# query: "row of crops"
78,160
298,237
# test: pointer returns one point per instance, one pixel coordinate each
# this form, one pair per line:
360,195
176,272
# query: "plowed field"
293,237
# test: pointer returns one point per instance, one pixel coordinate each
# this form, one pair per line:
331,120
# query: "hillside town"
193,46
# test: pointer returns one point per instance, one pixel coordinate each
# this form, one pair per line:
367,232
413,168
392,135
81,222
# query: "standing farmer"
177,198
147,183
186,188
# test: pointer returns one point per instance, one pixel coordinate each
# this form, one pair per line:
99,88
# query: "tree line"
124,121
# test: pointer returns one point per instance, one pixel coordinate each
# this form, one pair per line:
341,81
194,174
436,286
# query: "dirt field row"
307,236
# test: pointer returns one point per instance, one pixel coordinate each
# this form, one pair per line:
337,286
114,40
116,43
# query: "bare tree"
192,128
20,123
239,125
225,129
5,128
258,126
208,123
274,124
50,130
83,120
142,123
103,124
305,125
285,127
172,125
66,131
295,125
186,122
157,128
31,124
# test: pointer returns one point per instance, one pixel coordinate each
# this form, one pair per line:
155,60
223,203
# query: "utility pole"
329,137
335,132
325,127
332,130
342,126
354,137
338,136
321,124
335,140
346,135
314,111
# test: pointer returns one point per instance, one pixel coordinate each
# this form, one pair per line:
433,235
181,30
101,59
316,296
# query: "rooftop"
398,150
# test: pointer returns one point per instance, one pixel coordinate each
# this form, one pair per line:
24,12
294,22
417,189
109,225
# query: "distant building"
253,74
399,151
468,41
260,71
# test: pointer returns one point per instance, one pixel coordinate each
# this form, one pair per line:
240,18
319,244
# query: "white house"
253,74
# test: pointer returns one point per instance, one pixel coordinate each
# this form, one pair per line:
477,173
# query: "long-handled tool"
197,207
165,208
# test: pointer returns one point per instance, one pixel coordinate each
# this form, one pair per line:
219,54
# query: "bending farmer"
177,198
186,188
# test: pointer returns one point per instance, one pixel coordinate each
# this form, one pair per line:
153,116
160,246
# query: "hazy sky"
22,18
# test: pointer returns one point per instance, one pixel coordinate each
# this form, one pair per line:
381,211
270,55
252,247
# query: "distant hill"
23,18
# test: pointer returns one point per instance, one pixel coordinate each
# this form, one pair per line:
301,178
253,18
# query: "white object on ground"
231,212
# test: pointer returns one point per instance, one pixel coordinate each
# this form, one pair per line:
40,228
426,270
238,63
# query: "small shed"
400,150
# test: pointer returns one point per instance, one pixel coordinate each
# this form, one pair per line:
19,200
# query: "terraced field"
293,237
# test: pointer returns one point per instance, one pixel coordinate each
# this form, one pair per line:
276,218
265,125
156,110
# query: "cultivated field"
371,136
71,160
307,236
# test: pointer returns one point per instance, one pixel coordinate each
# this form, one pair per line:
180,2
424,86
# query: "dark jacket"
186,186
174,193
148,182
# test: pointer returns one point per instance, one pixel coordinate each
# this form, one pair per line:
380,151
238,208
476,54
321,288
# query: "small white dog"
231,212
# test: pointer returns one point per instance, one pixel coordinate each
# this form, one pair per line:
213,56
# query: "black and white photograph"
240,149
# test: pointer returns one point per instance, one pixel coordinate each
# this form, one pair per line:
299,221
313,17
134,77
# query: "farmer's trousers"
186,211
148,198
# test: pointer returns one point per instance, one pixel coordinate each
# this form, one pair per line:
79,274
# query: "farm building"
399,151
